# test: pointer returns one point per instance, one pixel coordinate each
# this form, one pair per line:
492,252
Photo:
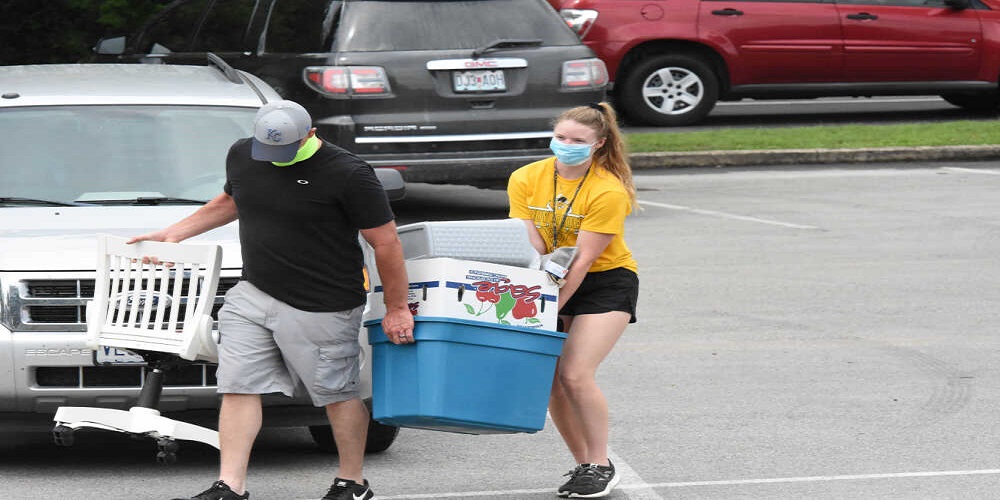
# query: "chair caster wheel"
166,458
62,435
167,445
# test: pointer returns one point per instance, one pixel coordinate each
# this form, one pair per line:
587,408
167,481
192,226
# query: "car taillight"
584,73
580,20
347,81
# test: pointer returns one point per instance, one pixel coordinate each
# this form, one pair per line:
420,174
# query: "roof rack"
229,71
233,75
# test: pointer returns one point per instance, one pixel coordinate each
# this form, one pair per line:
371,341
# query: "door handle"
727,12
863,16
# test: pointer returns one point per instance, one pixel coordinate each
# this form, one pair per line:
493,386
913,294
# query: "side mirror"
958,4
110,46
392,182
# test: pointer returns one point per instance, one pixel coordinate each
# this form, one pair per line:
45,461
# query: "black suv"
454,91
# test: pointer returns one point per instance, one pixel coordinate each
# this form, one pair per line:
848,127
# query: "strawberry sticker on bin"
475,291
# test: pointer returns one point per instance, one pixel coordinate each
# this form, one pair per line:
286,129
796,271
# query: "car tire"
380,437
983,103
669,90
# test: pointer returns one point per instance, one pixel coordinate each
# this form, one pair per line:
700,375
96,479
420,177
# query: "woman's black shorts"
605,291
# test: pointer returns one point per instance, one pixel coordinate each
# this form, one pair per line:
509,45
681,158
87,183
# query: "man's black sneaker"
567,487
219,491
593,481
345,489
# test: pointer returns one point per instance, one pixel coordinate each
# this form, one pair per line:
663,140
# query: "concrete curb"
812,156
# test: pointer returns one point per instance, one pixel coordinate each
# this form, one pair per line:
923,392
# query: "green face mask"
304,153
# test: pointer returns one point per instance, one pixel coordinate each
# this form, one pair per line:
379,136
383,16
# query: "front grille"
78,377
61,304
57,314
60,288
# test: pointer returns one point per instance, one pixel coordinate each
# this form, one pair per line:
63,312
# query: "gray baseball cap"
277,130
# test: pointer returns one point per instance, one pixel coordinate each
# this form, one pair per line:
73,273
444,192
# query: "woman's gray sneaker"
565,489
592,481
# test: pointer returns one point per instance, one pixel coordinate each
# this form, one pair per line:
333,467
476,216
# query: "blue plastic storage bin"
464,376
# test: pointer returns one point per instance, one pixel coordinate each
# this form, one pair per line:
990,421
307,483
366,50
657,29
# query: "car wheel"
974,102
669,90
380,437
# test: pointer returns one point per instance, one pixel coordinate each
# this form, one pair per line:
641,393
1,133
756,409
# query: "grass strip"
956,133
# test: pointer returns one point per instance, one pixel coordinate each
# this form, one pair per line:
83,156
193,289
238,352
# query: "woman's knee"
575,381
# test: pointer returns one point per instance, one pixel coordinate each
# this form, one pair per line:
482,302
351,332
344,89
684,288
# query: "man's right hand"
218,212
154,236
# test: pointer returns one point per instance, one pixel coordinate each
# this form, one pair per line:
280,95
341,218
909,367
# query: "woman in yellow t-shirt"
580,198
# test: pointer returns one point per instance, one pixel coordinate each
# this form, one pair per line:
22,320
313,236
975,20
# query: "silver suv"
120,149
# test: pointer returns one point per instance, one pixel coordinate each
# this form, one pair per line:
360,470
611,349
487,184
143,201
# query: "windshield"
67,154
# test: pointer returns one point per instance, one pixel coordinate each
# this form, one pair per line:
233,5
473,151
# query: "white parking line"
971,170
470,494
811,479
726,215
636,487
639,489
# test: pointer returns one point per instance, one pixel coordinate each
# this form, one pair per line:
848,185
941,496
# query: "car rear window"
380,25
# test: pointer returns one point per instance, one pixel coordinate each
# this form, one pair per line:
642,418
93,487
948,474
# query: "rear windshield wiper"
505,44
14,200
149,200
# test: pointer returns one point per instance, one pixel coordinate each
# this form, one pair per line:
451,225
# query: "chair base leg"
136,421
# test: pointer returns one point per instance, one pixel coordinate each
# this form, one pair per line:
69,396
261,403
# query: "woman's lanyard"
555,191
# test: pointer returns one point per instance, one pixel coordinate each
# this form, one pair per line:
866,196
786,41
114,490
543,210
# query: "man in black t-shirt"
294,318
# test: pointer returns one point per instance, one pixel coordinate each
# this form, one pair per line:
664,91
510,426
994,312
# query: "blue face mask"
570,154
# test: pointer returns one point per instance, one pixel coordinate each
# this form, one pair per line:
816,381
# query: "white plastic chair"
161,312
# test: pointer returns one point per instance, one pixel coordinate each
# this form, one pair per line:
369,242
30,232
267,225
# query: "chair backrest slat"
144,293
159,305
175,298
110,278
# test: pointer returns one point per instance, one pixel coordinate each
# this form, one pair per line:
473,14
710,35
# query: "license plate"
117,356
480,80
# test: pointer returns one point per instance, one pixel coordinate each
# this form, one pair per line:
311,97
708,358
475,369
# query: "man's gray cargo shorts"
268,346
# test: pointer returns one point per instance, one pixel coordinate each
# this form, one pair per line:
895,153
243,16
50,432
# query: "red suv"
671,60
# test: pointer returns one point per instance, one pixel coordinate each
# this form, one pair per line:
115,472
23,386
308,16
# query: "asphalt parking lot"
804,333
